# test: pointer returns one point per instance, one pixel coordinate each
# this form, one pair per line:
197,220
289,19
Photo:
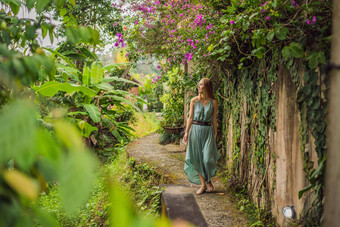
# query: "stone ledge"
178,203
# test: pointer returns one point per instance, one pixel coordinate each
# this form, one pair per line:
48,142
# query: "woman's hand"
185,137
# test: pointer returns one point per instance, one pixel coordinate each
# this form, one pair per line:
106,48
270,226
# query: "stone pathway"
216,207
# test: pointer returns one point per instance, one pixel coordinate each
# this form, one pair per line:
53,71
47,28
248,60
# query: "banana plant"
95,96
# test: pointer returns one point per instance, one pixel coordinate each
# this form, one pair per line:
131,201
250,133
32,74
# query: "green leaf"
296,50
59,4
30,4
76,179
210,48
69,136
105,86
97,73
110,79
44,30
316,104
62,12
86,128
41,5
306,77
307,89
259,52
86,76
30,32
281,33
305,190
270,36
51,34
123,100
108,68
93,112
18,130
73,2
61,56
15,6
49,89
95,36
286,53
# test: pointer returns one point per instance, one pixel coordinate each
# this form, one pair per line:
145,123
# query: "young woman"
200,133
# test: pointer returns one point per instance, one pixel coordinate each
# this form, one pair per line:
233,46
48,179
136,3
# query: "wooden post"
332,187
186,107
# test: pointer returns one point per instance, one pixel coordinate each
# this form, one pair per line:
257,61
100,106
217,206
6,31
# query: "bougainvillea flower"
314,19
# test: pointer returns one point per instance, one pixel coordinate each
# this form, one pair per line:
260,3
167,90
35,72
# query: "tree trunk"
332,201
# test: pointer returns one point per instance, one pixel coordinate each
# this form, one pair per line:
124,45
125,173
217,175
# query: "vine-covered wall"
270,145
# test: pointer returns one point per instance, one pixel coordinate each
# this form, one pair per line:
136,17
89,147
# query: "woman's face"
200,86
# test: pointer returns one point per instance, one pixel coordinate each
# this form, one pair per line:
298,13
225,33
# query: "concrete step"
178,203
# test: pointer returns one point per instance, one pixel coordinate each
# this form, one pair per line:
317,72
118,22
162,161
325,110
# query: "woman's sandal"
210,187
201,190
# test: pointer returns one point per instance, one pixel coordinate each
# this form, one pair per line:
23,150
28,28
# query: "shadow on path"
216,207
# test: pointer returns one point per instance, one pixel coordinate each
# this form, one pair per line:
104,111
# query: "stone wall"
284,176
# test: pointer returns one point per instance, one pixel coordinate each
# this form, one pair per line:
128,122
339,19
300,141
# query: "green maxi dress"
202,152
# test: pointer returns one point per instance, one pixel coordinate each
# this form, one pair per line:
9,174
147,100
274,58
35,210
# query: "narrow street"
216,207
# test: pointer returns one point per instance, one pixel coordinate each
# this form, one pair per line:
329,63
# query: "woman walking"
200,133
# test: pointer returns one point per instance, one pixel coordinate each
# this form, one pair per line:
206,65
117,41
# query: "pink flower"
308,22
136,22
314,19
232,22
268,18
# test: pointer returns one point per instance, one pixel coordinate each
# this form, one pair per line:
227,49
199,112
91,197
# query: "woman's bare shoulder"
194,99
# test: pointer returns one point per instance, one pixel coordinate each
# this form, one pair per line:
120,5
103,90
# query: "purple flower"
119,35
181,15
157,77
314,19
158,67
232,22
136,22
127,54
116,44
268,18
188,56
308,22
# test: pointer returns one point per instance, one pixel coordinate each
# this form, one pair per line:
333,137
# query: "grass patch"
145,124
139,181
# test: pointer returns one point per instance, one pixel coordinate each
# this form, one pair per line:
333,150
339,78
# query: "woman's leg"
210,187
203,186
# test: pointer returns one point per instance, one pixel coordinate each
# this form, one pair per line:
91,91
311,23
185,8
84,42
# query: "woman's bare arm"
190,119
215,106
